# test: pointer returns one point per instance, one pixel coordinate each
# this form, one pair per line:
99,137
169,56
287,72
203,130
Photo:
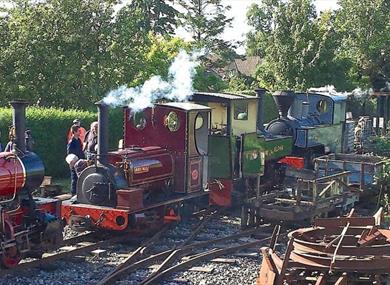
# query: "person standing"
77,122
91,139
11,140
74,148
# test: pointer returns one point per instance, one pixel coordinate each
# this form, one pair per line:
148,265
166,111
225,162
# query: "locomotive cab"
238,145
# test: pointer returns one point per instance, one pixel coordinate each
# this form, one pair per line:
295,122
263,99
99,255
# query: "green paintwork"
220,157
257,150
330,136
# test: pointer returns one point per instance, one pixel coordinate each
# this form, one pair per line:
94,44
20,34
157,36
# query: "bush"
49,128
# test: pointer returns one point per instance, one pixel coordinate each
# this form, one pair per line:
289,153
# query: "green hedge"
49,128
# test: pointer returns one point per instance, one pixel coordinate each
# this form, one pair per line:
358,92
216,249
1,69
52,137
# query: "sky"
239,25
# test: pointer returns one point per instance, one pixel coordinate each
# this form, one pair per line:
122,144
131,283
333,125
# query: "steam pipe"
19,123
102,132
260,108
305,109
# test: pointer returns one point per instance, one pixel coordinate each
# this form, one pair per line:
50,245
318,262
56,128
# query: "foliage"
208,81
159,56
49,128
380,145
159,17
382,180
206,20
365,29
67,52
238,83
297,47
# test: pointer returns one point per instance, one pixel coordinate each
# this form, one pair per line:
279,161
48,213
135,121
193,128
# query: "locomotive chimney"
19,123
102,132
283,100
260,109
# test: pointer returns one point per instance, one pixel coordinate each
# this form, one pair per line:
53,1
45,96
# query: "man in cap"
77,122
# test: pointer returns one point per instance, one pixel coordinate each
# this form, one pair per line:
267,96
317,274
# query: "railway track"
171,249
70,247
178,258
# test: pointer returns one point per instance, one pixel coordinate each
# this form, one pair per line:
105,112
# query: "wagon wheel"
10,257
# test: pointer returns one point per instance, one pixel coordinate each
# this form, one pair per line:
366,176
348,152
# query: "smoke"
357,93
328,89
177,87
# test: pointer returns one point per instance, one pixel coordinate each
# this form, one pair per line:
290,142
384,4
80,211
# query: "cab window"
241,111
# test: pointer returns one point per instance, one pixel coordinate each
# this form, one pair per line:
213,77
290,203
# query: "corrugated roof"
227,96
186,106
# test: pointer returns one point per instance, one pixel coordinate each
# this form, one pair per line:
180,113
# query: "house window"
241,111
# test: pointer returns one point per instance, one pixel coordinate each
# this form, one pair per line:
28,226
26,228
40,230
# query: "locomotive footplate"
112,218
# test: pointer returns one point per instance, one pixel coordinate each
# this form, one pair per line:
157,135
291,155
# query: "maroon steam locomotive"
161,166
28,226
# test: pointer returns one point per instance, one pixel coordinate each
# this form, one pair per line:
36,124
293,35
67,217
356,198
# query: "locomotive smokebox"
283,100
102,132
19,123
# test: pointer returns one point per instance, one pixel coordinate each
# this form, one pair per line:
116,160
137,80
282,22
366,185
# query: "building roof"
246,66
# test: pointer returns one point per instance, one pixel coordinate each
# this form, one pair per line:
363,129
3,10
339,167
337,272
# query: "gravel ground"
89,269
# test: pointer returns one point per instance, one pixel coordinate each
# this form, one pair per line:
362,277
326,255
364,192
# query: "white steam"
358,93
177,87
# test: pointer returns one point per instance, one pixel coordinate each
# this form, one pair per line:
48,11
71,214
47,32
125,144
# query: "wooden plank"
68,248
225,260
202,269
247,254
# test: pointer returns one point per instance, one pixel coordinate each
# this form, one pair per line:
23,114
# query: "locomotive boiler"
28,226
161,165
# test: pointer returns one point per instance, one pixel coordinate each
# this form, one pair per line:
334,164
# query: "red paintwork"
130,199
155,133
107,215
294,161
220,192
151,165
47,205
11,174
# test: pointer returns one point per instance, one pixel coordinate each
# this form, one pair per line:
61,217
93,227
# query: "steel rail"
202,257
147,247
184,250
135,254
61,255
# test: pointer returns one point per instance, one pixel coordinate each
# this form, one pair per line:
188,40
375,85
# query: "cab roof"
186,106
220,97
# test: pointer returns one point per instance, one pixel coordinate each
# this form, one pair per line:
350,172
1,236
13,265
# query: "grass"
64,183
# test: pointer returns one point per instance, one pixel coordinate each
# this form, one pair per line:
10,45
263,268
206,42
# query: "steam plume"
177,87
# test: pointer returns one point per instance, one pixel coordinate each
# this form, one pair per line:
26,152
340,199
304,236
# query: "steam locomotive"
214,148
161,166
28,226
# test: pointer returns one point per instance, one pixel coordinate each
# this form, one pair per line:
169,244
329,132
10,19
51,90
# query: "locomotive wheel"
10,257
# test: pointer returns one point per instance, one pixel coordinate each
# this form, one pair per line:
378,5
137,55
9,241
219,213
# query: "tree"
56,50
206,20
297,47
365,28
159,17
67,53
